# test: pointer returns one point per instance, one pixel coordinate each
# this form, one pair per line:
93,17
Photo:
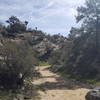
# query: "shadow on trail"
63,84
49,77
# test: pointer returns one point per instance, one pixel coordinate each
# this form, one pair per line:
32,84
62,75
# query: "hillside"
55,67
44,45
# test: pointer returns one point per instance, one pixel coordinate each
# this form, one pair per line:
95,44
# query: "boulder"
94,94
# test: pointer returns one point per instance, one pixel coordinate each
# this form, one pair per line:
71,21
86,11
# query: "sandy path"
57,88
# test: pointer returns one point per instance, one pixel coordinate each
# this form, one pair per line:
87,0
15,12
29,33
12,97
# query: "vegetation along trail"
58,88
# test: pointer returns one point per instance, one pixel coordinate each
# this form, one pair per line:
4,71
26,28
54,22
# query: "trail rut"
58,88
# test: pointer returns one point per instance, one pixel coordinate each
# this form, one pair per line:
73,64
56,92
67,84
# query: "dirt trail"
58,88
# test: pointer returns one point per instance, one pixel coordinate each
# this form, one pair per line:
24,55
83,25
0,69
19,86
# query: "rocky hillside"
41,43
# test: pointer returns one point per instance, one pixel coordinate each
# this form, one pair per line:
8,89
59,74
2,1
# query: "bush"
3,31
17,63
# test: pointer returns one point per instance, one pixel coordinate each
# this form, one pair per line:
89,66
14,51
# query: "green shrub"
17,63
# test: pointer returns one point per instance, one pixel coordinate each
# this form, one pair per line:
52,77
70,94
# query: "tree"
80,56
90,14
15,25
17,63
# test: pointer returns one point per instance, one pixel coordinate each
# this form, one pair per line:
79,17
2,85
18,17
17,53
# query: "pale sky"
50,16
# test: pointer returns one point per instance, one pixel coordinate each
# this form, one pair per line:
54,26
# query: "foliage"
90,14
5,95
17,63
84,57
80,56
53,60
15,25
3,30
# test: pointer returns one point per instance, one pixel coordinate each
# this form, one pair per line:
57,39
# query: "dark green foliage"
15,25
17,63
3,31
80,56
90,15
85,49
54,59
81,60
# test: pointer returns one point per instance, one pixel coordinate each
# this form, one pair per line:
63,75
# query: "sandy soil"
58,88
